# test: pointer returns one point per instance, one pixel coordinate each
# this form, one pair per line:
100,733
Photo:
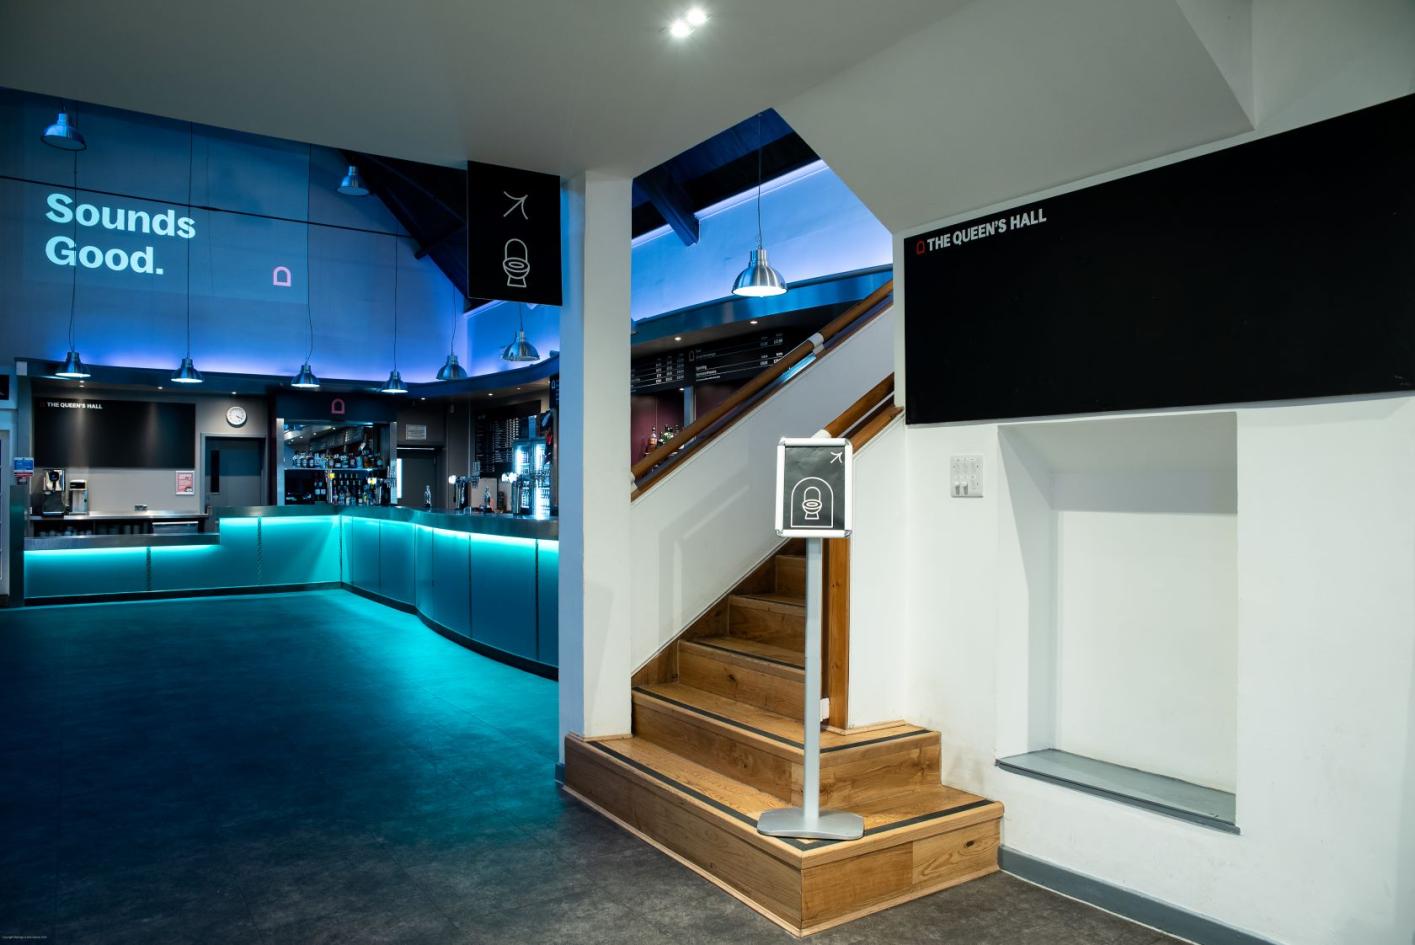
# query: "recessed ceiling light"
697,16
677,337
754,321
680,29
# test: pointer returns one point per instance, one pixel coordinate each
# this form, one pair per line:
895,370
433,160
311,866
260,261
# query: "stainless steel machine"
54,497
78,496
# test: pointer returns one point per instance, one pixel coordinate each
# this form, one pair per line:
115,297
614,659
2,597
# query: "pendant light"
353,185
759,279
305,380
73,368
520,349
451,370
188,373
63,135
394,385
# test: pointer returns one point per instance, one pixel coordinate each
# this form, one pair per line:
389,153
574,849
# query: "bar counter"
487,580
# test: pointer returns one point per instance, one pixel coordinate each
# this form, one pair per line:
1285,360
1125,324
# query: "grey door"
419,471
234,468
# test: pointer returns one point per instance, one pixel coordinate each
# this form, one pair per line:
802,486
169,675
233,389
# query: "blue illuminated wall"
267,197
814,226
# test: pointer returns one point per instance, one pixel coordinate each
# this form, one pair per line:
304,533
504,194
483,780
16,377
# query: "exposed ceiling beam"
671,201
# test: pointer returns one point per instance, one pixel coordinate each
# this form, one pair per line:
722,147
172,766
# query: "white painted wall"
702,528
1120,569
1325,564
594,486
878,604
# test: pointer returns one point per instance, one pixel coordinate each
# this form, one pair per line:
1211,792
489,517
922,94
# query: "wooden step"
763,749
746,670
914,844
769,618
791,575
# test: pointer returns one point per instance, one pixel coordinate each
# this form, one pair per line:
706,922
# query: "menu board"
729,359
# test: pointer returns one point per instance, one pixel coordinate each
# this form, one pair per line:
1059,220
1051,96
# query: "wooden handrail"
684,442
857,411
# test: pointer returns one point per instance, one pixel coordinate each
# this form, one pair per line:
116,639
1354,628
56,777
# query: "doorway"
235,471
421,470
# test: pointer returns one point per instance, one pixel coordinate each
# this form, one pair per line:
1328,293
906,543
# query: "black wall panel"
119,434
1282,268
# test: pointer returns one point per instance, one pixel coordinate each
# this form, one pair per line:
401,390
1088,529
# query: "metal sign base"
808,821
828,824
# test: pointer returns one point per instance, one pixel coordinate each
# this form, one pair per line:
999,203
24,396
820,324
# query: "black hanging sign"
1277,269
513,234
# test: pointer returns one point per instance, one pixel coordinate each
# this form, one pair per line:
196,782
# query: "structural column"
595,663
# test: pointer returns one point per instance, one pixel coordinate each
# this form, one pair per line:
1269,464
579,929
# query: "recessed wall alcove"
1119,608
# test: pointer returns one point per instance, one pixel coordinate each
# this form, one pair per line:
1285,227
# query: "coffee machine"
78,496
53,497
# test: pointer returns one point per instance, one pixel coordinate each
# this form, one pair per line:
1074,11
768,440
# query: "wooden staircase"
717,740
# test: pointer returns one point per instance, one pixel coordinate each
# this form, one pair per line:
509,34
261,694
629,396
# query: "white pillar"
594,460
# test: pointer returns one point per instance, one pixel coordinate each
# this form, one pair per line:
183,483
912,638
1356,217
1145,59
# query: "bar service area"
140,493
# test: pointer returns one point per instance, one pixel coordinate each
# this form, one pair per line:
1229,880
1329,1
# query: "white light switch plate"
966,477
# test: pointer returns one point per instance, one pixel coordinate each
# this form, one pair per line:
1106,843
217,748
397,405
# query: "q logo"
812,504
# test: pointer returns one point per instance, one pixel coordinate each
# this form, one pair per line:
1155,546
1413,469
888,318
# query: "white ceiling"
1009,97
553,85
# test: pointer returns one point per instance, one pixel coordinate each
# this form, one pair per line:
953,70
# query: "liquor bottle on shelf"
653,439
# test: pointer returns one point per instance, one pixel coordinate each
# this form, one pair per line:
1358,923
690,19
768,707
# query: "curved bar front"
487,581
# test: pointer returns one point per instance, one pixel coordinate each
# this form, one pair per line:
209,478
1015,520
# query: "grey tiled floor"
316,768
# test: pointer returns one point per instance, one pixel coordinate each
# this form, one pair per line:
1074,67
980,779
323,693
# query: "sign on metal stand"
814,499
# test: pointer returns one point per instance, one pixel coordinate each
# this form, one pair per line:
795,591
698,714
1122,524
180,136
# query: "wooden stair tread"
772,599
928,808
784,731
754,648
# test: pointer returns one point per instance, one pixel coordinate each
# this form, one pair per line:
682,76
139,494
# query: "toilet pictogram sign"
813,488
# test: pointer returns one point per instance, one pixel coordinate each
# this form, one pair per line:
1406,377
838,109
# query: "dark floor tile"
315,768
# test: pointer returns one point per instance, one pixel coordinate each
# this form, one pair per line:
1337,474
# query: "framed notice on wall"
186,482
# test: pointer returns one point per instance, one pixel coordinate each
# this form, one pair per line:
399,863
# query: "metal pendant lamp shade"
520,349
63,135
394,384
187,373
305,380
451,370
353,185
73,368
758,279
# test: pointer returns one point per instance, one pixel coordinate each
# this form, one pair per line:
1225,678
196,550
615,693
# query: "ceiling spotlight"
677,337
697,16
752,322
64,136
680,29
353,185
